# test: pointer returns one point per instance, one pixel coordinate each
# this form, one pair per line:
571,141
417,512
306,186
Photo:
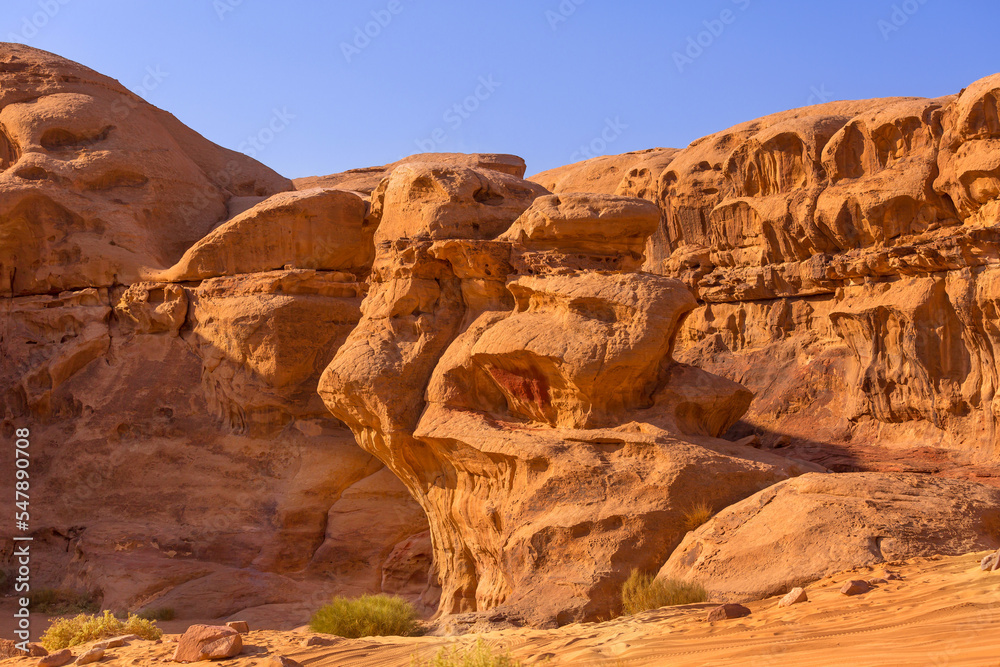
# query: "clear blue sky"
558,73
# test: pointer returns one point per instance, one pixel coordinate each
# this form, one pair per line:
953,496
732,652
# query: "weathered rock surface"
367,179
801,530
310,229
843,257
96,184
526,395
605,174
537,381
177,437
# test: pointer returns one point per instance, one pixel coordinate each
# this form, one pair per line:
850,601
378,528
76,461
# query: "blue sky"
360,83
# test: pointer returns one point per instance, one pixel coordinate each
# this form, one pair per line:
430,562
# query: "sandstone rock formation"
804,529
183,455
96,183
842,256
367,179
521,385
538,372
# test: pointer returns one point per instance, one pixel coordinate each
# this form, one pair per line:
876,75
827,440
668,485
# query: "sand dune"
945,611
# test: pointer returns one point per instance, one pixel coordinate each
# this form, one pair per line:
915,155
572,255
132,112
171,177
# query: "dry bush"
367,616
698,514
480,655
66,632
642,592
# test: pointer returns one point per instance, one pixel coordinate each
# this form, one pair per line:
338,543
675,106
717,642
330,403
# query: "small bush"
58,602
66,632
698,514
643,592
158,614
480,655
367,616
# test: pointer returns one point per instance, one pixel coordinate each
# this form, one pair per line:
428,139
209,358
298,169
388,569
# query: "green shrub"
58,602
158,614
66,632
698,514
480,655
367,616
642,592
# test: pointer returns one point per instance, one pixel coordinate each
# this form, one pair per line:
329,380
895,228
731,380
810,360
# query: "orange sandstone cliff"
494,396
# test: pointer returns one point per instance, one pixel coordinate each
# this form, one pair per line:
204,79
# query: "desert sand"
944,611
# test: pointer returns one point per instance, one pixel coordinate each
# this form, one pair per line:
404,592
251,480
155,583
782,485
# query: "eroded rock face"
804,529
185,458
525,393
842,256
367,179
96,184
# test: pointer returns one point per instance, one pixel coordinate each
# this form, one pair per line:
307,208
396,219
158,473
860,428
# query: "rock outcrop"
365,180
522,387
96,184
169,308
539,373
807,528
842,256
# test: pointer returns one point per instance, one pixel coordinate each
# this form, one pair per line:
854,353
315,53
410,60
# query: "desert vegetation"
66,632
480,655
642,592
57,601
698,514
367,616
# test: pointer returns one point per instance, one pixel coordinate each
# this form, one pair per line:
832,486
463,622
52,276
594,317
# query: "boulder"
281,661
794,596
208,642
319,229
93,655
57,659
855,587
240,626
804,529
316,640
726,612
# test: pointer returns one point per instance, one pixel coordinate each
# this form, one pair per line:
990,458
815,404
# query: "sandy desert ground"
945,611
